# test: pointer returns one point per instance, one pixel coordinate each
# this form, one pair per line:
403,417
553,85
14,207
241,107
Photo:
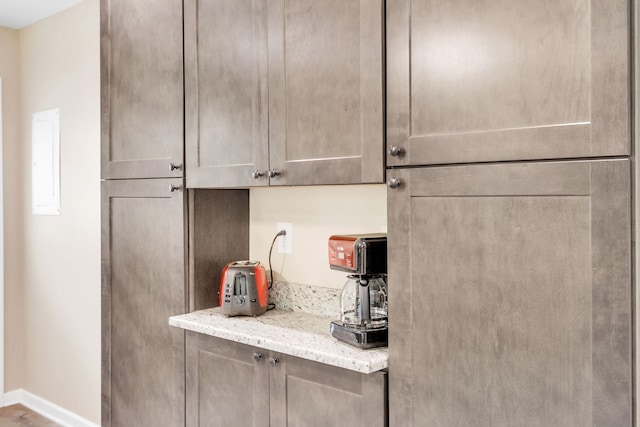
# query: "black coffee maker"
363,321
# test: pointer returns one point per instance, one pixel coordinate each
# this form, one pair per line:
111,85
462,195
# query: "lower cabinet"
232,384
143,284
510,295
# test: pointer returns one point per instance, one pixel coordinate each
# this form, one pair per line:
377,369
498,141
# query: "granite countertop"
288,332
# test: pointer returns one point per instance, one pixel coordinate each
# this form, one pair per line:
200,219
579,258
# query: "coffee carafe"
363,320
364,301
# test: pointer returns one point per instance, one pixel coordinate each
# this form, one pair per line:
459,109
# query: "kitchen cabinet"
494,81
283,92
235,384
143,284
142,94
510,294
218,235
147,277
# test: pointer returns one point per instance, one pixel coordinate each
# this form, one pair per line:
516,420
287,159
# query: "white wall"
13,214
60,68
315,213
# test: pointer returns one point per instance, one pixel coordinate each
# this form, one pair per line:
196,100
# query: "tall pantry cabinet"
143,212
163,248
509,213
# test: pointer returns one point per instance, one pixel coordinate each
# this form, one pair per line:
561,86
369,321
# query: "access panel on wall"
475,81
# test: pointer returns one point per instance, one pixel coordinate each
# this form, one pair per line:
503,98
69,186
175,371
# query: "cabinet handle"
174,188
256,174
257,357
394,183
273,173
174,166
273,361
395,151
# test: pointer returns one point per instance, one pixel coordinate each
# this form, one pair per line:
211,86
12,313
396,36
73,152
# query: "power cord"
280,233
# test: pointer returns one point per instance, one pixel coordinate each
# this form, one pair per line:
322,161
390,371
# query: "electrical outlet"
284,242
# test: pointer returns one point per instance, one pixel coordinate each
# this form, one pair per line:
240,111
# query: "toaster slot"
240,284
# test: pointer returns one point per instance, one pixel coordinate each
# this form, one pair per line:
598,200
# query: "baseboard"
45,408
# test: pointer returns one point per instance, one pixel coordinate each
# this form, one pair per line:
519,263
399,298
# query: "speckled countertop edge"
288,332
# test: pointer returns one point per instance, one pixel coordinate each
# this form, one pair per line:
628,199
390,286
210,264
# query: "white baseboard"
45,408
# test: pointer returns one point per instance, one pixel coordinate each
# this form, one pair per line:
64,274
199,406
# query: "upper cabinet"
471,81
284,92
326,91
226,90
142,89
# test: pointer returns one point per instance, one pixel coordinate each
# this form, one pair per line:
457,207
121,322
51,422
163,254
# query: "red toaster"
244,290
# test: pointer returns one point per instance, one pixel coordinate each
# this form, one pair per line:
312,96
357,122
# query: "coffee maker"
363,320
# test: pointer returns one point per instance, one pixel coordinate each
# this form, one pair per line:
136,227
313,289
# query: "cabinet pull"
273,173
394,183
174,188
257,357
174,166
395,151
256,174
273,361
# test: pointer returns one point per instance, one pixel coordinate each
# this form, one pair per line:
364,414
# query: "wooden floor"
19,416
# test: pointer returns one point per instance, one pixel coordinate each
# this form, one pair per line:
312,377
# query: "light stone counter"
288,332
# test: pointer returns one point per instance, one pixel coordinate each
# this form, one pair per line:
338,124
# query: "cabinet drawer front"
506,81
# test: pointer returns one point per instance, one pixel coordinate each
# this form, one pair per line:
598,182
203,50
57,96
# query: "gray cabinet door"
142,96
226,89
326,91
143,284
289,86
227,383
233,384
510,295
507,80
311,394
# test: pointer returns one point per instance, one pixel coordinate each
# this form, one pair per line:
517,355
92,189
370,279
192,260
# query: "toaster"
244,290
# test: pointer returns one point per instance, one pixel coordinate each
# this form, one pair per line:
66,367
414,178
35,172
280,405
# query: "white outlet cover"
284,243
